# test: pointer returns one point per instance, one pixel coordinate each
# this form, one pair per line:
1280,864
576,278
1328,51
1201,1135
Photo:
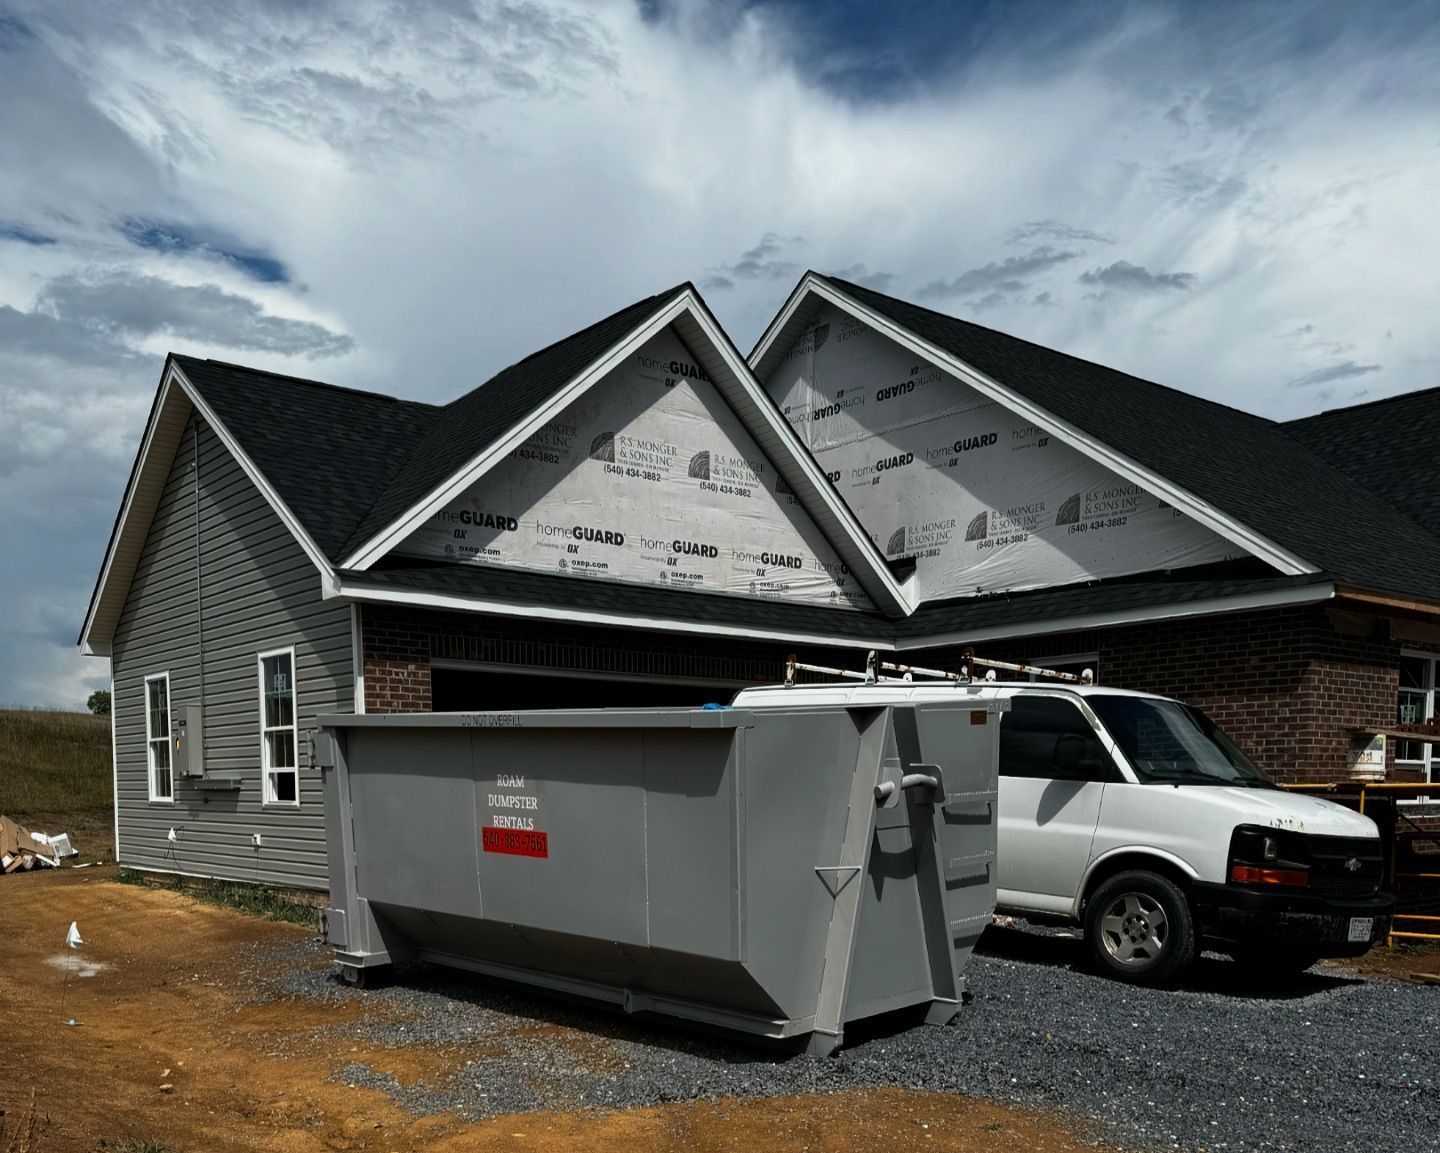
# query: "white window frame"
1089,661
1429,754
151,738
267,793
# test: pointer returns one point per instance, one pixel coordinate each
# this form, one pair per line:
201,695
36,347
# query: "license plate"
1361,928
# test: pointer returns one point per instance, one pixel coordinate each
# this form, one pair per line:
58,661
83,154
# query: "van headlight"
1260,856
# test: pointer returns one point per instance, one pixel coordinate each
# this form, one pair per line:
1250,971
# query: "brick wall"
399,644
1288,685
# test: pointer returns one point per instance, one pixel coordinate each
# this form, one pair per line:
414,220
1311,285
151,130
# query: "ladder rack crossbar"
873,667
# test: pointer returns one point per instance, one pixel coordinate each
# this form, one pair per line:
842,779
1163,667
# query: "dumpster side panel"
798,767
690,815
890,966
582,790
412,806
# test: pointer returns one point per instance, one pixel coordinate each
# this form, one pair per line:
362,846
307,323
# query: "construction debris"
21,850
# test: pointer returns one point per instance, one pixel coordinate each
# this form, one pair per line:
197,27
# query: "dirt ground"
170,1046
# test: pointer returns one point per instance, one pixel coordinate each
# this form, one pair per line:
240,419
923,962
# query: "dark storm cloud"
1331,373
860,274
1056,231
1137,278
1009,275
126,305
759,263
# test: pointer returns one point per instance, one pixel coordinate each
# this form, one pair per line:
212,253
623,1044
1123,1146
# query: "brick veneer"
399,644
1289,685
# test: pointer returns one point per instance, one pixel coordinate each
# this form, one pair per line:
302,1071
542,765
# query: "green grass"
296,908
55,775
133,1145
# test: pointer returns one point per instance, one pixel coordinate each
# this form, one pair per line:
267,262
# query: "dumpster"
776,871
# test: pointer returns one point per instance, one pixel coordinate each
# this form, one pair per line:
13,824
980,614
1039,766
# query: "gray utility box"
778,871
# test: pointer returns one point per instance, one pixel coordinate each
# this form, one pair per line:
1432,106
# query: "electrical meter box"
187,742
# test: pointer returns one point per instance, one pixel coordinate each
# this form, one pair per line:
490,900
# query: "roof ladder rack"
873,666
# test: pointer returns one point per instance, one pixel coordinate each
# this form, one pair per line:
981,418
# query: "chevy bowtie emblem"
1353,864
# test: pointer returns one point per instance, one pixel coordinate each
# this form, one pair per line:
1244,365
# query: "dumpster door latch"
893,782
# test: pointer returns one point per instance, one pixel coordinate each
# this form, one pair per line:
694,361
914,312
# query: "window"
157,737
1171,743
1416,705
1049,738
1068,664
278,764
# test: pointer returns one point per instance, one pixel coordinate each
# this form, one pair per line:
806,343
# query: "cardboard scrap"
21,850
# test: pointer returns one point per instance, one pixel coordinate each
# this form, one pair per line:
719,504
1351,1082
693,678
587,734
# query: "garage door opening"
467,690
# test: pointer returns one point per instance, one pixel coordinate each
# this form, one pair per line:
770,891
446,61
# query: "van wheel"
1138,928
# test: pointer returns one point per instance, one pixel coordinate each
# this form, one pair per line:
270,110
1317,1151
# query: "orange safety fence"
1412,852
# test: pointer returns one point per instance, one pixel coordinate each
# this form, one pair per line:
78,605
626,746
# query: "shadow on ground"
1212,973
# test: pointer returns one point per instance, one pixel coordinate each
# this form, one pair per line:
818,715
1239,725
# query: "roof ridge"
577,333
182,357
1052,351
1363,404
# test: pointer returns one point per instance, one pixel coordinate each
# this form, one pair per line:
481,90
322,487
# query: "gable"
980,497
649,477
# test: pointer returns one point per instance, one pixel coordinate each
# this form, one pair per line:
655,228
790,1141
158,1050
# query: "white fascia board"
777,325
1214,606
423,510
257,478
880,572
88,646
455,601
1206,514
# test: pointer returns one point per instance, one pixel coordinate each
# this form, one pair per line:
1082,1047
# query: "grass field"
55,776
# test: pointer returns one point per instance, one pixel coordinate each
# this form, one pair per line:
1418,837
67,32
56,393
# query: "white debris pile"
21,850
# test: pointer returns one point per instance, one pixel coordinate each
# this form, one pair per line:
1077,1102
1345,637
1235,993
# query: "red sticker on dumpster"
517,842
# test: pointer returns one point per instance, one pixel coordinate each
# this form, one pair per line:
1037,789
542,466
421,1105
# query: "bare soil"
171,1046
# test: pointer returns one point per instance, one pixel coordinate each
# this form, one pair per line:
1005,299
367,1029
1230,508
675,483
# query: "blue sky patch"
166,236
19,232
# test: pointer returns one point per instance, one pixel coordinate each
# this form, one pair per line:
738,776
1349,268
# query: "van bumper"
1233,915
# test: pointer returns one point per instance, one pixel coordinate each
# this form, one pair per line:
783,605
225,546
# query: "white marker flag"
72,938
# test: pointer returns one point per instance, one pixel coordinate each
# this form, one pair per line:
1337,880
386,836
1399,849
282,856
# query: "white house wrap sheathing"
980,498
648,477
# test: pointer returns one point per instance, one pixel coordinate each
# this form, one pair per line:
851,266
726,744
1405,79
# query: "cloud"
1054,230
444,188
129,306
1009,275
1137,278
758,263
18,232
860,274
1331,373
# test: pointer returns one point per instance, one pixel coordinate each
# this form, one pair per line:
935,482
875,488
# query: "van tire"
1139,929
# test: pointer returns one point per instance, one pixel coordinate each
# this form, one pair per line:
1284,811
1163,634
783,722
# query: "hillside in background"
55,776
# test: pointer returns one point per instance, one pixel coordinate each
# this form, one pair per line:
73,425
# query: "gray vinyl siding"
257,592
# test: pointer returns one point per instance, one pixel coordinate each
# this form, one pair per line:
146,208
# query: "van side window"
1049,738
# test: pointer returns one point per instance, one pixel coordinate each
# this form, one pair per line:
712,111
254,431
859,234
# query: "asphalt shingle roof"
1390,446
468,426
325,450
518,586
1244,465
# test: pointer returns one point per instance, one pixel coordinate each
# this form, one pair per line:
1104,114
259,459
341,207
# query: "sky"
1238,200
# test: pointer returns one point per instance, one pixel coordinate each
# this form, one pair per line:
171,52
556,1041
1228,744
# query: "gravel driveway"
1330,1063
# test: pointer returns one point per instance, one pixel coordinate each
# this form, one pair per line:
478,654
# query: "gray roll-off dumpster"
780,871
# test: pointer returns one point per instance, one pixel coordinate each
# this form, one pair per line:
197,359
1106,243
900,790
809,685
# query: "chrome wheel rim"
1134,928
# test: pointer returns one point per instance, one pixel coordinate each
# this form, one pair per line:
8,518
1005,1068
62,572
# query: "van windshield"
1172,743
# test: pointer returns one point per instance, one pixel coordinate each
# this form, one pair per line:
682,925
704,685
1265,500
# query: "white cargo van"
1136,818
